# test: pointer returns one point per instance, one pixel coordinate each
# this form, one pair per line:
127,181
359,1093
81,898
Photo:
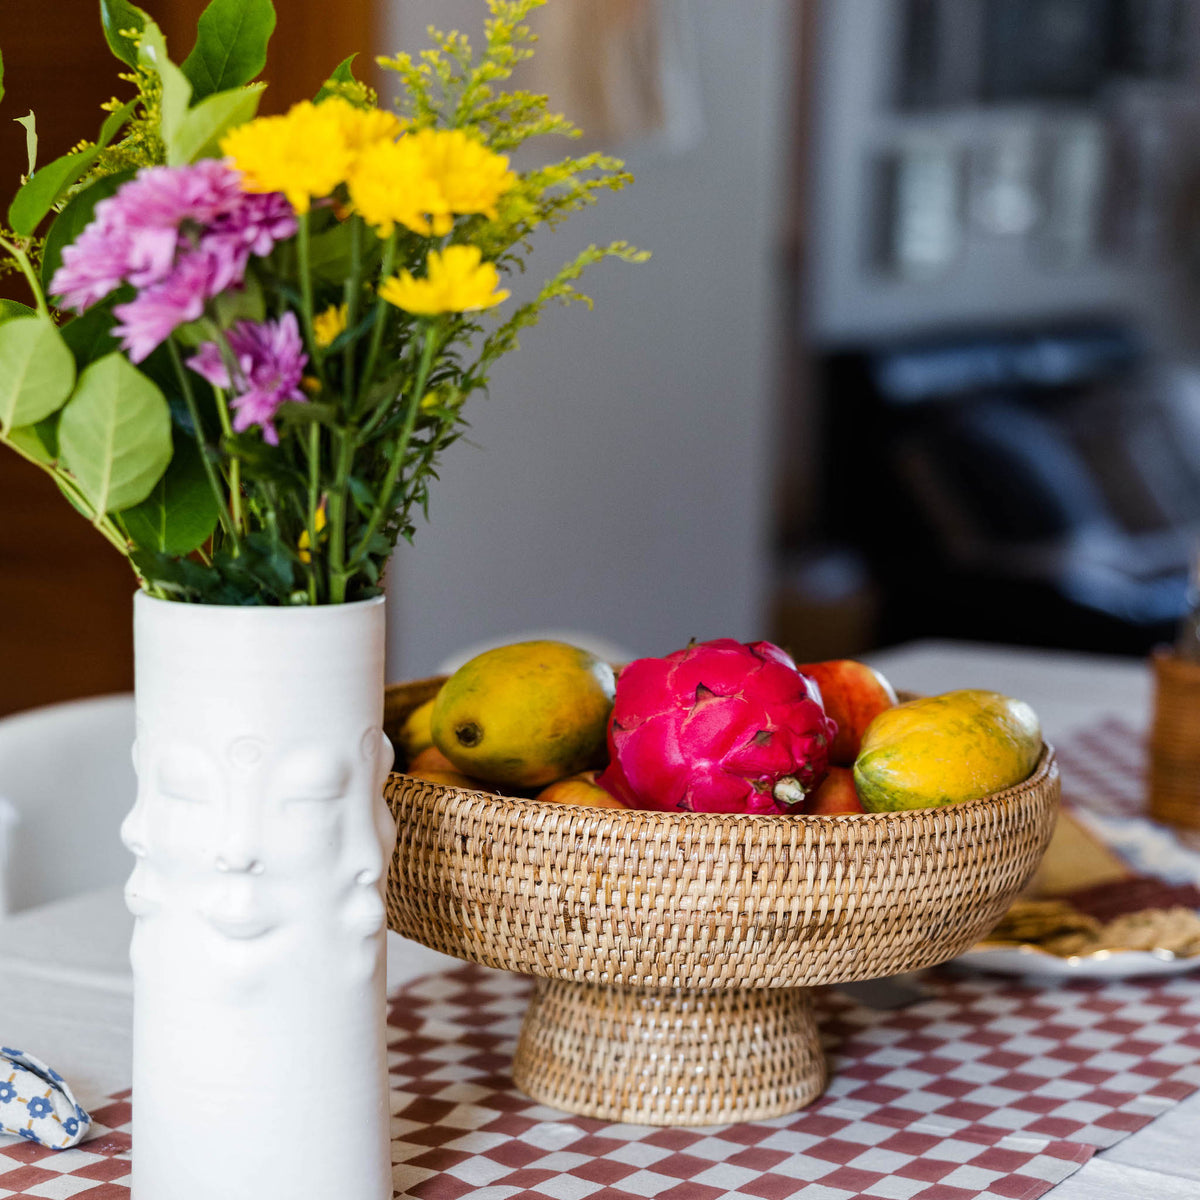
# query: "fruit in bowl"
946,749
526,714
579,789
853,694
837,794
718,726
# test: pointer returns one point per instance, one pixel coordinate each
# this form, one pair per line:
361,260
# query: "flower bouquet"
247,342
274,323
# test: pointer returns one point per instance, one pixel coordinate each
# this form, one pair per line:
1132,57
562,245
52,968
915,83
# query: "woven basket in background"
1175,741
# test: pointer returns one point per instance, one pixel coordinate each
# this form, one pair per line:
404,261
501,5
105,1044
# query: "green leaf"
46,187
74,218
330,254
73,500
181,511
40,191
197,135
25,438
119,17
1,76
342,73
115,434
14,308
246,303
47,431
231,45
90,336
176,90
39,441
31,140
36,370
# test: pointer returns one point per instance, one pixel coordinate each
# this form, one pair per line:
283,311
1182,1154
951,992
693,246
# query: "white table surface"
66,991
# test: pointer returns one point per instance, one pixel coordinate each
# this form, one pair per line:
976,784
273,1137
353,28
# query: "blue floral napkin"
36,1103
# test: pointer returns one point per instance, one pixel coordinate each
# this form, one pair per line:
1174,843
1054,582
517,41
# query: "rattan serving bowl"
673,952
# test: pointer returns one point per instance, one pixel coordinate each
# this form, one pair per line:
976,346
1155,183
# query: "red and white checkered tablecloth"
984,1089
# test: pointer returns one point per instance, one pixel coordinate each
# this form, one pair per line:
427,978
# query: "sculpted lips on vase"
364,913
235,912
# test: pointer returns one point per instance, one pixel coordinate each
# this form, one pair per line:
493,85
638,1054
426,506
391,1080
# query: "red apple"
837,794
854,695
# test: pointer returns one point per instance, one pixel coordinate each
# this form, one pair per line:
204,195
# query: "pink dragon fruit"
717,727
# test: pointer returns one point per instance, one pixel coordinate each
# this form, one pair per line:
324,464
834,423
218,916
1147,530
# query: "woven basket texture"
1175,741
661,1057
703,901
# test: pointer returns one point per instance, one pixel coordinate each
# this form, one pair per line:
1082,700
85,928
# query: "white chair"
66,782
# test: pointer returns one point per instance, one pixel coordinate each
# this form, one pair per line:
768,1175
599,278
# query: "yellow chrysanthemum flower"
470,177
328,324
363,127
423,180
304,154
389,185
456,281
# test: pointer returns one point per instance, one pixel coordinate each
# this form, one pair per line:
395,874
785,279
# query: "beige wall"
617,478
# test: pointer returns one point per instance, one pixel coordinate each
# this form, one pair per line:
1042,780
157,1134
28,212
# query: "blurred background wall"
620,476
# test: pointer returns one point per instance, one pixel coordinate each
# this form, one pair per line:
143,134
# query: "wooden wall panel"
65,619
310,39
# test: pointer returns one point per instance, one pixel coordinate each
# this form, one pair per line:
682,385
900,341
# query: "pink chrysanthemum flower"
180,235
155,312
270,363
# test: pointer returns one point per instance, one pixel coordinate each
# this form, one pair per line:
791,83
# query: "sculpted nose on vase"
239,850
239,863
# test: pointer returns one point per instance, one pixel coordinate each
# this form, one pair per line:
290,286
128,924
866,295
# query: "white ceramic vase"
262,842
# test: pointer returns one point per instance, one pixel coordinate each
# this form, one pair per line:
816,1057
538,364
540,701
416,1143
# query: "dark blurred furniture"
957,52
1033,488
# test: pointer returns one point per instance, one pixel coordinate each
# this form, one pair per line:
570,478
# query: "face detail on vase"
258,835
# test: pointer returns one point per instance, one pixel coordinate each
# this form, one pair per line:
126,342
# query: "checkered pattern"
1104,768
908,1118
982,1090
98,1169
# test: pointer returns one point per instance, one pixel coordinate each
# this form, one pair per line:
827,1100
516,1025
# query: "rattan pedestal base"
663,1056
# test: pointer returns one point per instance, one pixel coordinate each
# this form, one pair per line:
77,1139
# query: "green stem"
306,296
338,575
314,499
381,311
30,277
189,399
383,502
353,290
235,463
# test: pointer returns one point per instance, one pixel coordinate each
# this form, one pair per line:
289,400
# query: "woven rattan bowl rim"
704,899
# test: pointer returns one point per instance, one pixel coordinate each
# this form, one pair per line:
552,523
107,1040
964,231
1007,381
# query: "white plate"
1103,964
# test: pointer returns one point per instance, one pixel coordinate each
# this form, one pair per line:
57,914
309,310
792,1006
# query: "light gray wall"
618,480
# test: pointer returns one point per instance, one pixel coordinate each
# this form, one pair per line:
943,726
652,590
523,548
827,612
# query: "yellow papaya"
526,714
945,750
416,733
